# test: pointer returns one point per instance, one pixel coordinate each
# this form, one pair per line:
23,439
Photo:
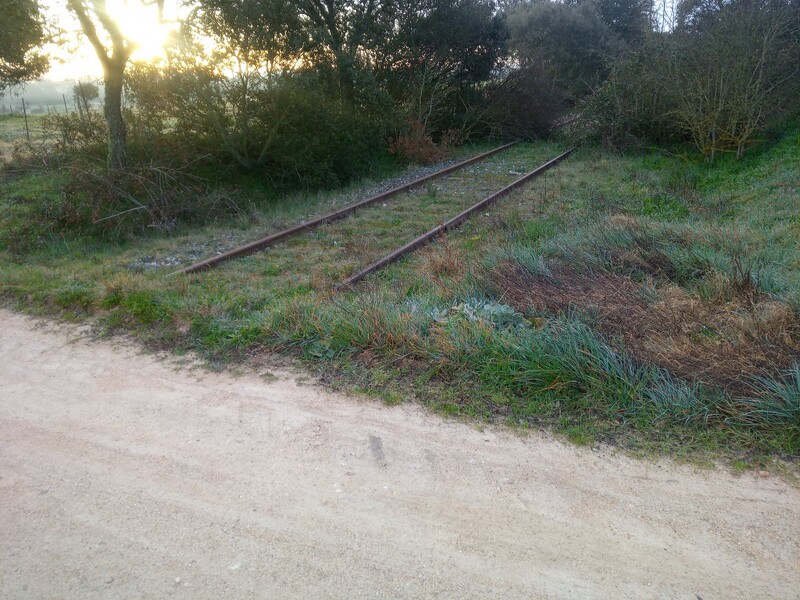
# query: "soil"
126,475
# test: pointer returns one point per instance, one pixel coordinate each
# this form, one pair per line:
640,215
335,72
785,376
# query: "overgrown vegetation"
724,75
648,298
654,298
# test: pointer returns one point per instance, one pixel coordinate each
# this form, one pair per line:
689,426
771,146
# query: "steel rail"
274,238
452,223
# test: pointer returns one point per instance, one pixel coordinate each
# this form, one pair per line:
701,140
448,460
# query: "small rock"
109,580
763,473
177,581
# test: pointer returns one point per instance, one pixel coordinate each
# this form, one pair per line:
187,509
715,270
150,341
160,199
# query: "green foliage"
722,79
636,103
526,103
439,63
525,363
322,141
491,313
571,42
464,37
687,254
738,75
29,207
777,402
85,91
23,32
93,203
78,137
629,20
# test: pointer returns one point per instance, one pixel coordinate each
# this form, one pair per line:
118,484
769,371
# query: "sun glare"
138,21
140,24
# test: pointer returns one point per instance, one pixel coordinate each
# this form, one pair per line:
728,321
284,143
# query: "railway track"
453,223
341,213
376,235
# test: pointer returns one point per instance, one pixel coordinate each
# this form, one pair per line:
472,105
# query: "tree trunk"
112,107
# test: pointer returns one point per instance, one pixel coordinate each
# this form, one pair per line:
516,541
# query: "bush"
635,104
288,128
417,144
525,104
99,204
321,141
83,135
719,83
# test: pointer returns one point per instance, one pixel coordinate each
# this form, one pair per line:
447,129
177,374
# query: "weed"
416,143
444,259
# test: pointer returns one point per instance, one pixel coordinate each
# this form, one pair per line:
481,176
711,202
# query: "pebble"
763,473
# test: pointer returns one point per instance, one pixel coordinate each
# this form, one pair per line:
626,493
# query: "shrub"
719,82
99,204
525,104
635,104
416,144
289,128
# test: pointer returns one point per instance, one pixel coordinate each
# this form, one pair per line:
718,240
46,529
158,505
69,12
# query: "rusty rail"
274,238
452,223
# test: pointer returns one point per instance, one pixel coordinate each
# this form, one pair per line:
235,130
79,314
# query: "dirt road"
124,477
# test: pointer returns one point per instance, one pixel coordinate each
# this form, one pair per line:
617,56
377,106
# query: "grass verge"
643,300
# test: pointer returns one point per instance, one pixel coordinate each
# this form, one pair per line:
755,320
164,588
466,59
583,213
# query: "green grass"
12,127
12,130
410,331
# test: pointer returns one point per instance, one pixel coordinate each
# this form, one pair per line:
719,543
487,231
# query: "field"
646,300
12,129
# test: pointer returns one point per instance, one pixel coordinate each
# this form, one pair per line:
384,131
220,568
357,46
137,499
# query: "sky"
137,21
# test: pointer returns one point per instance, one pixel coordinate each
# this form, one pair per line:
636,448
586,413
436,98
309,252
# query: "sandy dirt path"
124,477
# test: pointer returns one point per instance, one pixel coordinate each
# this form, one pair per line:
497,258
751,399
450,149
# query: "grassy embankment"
648,300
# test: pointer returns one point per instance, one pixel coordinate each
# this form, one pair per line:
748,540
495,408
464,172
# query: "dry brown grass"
719,343
443,259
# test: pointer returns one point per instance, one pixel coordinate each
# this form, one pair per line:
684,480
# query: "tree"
729,71
22,32
83,93
697,15
629,20
114,50
437,58
424,53
466,37
261,34
738,68
349,38
336,33
570,42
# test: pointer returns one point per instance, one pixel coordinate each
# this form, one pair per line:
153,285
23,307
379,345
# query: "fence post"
25,113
